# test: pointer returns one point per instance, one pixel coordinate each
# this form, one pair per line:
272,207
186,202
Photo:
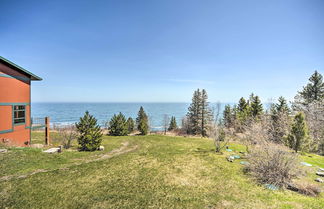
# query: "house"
15,103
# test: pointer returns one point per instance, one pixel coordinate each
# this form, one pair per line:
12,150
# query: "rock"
306,164
101,148
237,157
229,150
320,173
230,159
37,145
244,163
321,169
319,180
52,150
3,150
271,187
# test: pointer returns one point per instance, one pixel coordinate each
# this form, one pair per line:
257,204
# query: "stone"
320,173
52,150
321,169
230,159
306,164
319,180
101,148
3,150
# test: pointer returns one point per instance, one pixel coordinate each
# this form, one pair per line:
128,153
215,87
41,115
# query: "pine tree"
256,108
118,125
194,114
298,137
282,105
90,134
314,90
142,122
173,124
279,120
242,112
130,125
206,113
228,118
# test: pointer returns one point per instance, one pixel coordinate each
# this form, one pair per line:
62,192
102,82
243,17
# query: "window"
19,114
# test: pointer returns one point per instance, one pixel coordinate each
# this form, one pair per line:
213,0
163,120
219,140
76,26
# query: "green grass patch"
164,172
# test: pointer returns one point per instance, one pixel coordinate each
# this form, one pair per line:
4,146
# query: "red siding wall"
14,89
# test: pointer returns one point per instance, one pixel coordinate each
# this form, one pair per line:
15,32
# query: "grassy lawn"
163,172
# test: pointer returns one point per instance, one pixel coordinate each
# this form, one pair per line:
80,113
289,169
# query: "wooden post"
47,130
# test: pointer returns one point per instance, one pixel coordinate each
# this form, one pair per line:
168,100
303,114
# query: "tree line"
299,126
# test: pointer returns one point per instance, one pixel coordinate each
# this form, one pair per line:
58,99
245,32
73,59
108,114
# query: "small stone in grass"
3,150
320,173
101,148
319,180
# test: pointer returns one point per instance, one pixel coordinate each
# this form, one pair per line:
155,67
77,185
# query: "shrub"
90,134
305,188
67,135
118,125
272,164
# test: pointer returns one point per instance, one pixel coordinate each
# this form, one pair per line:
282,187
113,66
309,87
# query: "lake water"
69,113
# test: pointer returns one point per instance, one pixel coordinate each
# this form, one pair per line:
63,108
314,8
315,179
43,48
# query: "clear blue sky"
160,51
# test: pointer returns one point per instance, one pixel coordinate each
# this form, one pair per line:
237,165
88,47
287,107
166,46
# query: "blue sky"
160,51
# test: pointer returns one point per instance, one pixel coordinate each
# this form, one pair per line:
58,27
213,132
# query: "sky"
162,50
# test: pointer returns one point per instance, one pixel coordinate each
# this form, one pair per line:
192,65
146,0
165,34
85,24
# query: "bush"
67,135
273,164
118,125
305,188
90,134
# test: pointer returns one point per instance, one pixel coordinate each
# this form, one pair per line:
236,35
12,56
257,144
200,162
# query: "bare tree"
67,135
165,123
216,131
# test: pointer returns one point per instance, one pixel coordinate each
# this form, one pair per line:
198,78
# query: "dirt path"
125,148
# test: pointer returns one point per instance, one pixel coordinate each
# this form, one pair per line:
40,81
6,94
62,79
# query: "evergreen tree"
279,120
130,125
194,114
282,105
228,118
206,113
173,124
314,90
242,112
142,122
298,137
118,125
256,108
90,134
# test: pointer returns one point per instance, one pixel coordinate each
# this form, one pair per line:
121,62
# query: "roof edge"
33,77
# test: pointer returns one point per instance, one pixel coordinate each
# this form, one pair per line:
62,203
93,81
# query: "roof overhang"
32,76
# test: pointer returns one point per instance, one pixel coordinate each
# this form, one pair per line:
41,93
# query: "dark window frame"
19,115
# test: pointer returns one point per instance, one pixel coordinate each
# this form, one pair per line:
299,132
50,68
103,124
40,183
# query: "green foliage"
142,122
314,90
199,113
256,108
298,137
228,117
242,111
130,125
118,125
90,134
173,124
279,120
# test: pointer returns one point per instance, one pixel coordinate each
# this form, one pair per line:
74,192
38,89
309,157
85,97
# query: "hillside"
139,172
